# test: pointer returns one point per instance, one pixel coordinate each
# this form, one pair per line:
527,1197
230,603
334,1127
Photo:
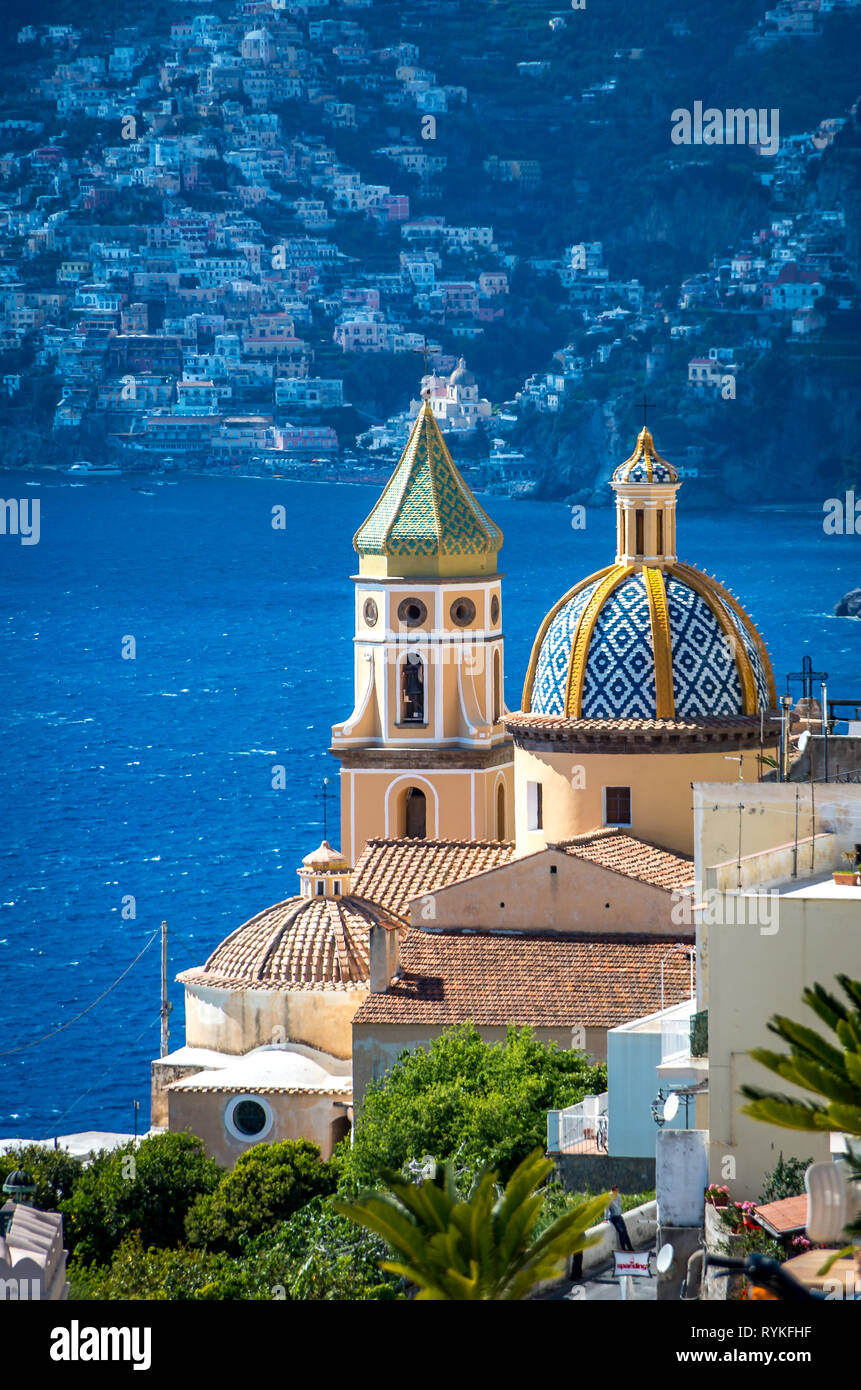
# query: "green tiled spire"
427,521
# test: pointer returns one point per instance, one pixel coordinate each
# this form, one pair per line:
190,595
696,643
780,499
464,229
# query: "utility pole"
824,689
165,1005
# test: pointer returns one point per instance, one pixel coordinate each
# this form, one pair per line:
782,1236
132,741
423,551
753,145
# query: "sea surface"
151,778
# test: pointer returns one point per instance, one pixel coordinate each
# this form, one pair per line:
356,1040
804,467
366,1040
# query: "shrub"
147,1188
267,1185
482,1104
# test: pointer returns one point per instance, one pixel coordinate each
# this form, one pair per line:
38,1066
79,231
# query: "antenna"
325,811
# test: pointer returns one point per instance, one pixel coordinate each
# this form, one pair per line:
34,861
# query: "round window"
248,1118
370,612
462,611
494,609
412,612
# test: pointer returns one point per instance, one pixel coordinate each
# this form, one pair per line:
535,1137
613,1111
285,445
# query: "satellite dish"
803,740
666,1255
671,1106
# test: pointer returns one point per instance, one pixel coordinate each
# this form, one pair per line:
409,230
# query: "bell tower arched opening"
415,814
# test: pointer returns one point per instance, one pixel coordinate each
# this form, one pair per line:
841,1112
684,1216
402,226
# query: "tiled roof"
392,872
427,515
302,943
625,854
567,726
785,1216
543,980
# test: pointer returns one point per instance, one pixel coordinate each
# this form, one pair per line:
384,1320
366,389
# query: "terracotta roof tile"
541,979
302,943
565,723
785,1216
635,858
392,872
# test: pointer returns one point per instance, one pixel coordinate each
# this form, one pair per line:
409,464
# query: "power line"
100,1079
63,1026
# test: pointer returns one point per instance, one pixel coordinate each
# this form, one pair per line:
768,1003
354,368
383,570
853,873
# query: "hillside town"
190,280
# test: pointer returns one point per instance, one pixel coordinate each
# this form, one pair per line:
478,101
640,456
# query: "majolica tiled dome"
606,649
318,943
648,637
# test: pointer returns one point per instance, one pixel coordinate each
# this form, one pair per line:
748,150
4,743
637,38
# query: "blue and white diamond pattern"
619,682
550,687
705,679
660,473
763,700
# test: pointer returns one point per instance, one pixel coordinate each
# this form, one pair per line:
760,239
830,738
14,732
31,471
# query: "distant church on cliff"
495,866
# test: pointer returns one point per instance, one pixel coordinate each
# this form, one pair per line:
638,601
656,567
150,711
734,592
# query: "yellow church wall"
294,1117
461,803
661,799
238,1020
551,891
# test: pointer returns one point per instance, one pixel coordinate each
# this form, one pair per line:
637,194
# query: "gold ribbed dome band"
665,705
703,586
526,703
733,603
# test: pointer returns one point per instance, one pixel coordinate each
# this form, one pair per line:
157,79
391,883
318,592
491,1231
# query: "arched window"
413,690
640,524
500,811
660,533
497,688
415,814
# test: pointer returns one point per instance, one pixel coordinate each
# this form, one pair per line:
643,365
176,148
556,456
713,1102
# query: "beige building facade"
787,927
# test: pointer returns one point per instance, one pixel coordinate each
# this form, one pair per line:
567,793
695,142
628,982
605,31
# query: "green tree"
485,1104
320,1255
480,1248
148,1188
267,1184
54,1171
786,1179
150,1274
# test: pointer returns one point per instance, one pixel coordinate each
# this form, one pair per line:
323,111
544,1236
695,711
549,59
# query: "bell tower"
424,753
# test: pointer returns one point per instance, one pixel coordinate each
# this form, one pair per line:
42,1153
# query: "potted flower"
850,877
717,1196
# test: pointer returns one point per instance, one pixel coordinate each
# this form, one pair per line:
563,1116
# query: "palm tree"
478,1248
815,1065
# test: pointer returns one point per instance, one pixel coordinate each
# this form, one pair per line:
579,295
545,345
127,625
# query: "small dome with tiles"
314,943
645,464
648,637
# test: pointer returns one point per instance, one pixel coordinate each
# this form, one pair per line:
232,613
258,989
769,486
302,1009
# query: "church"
498,866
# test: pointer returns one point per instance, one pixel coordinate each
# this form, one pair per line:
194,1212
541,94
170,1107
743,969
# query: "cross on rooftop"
807,676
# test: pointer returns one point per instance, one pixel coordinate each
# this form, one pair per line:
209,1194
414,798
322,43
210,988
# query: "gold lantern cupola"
645,486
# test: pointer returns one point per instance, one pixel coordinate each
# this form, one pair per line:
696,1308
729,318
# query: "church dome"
648,637
648,644
461,376
313,943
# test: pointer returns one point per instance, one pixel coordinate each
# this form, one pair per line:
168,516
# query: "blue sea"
151,778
